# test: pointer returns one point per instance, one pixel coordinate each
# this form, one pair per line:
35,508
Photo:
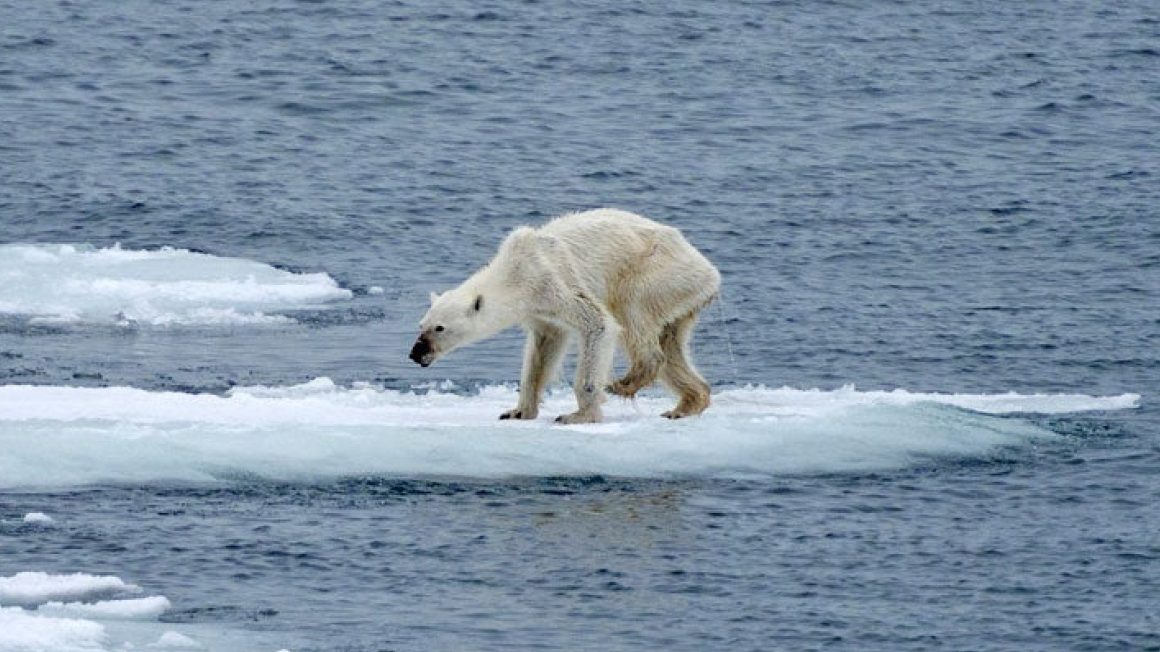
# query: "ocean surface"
935,361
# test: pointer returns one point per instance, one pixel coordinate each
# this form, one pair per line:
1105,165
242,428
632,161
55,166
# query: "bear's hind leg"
642,343
678,372
542,352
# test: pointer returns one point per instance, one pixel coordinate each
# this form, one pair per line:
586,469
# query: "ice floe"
65,283
60,436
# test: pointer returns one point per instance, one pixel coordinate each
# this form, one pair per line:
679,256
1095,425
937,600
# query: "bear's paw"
518,413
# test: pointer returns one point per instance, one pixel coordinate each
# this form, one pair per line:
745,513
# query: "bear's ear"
478,302
434,297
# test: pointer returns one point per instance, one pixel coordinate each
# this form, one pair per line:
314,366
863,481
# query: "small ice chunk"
131,609
37,518
375,289
173,641
35,587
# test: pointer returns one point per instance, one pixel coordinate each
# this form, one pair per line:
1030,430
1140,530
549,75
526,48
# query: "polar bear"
595,276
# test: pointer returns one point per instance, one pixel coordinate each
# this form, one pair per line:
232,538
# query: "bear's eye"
439,328
478,302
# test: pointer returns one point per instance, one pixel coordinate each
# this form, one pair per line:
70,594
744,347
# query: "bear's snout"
422,353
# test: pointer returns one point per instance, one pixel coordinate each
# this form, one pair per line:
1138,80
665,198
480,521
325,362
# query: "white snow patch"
23,632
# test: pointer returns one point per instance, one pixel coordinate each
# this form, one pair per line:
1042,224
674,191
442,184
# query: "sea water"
934,361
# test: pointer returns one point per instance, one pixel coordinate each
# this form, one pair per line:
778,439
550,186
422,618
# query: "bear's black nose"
421,351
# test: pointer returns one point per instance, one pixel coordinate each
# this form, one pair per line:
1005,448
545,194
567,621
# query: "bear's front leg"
597,331
542,352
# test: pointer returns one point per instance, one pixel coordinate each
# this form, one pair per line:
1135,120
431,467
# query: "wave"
56,436
66,283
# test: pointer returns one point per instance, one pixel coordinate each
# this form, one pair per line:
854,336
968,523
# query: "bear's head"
457,317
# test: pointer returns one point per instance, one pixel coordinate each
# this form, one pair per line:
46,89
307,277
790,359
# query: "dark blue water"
948,197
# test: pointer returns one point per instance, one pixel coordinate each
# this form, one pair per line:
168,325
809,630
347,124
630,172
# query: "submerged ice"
61,436
72,283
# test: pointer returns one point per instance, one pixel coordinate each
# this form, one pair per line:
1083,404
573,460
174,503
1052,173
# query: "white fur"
590,276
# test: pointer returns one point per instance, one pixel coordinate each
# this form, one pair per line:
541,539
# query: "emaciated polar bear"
592,275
